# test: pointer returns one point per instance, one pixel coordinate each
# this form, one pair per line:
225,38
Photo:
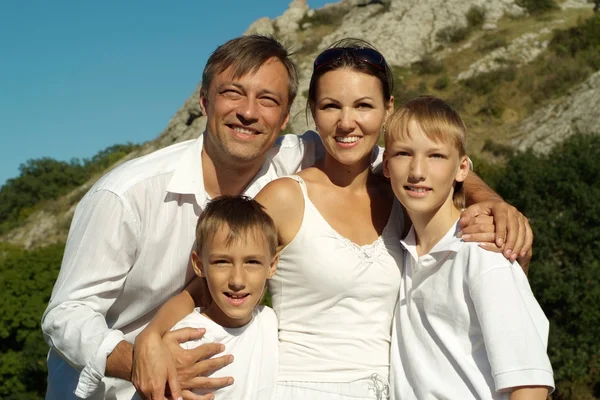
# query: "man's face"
236,273
245,115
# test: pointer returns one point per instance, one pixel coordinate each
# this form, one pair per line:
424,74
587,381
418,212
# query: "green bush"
45,179
485,83
475,16
537,6
441,83
559,194
428,66
26,281
453,34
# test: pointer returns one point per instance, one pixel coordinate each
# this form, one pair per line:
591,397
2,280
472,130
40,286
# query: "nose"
347,121
247,111
237,278
417,169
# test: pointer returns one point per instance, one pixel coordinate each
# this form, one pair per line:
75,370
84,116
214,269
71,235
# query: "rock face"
287,24
521,50
579,112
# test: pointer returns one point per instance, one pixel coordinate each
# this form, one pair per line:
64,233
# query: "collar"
188,177
448,243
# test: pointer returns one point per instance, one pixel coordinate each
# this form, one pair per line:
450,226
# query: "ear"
389,109
463,169
273,267
197,264
285,121
386,169
203,101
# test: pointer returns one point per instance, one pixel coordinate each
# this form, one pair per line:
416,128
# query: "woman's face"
349,111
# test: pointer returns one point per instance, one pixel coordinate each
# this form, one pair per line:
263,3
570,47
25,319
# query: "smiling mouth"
347,139
243,130
236,296
417,189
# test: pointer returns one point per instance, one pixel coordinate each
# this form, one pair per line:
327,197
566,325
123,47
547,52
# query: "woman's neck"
431,227
352,177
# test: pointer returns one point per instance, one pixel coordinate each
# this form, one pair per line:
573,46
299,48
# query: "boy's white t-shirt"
255,350
466,326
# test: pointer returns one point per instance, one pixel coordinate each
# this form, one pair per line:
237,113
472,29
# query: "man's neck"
225,177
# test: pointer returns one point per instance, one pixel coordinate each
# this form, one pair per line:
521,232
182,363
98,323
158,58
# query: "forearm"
172,311
529,393
476,190
118,363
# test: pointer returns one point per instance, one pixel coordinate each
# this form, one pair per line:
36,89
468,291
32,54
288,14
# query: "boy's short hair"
241,215
438,121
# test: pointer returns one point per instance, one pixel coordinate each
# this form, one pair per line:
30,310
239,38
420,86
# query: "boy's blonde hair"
242,215
438,121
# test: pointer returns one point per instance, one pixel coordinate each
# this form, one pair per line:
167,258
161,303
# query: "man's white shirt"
128,252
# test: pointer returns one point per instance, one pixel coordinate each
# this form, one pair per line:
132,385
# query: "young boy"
235,252
467,325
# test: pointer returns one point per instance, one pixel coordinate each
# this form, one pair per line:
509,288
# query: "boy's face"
423,171
236,275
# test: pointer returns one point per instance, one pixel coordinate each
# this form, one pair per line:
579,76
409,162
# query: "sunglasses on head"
362,54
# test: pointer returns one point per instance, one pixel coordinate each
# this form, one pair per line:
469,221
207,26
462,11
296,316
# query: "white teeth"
417,189
347,139
243,130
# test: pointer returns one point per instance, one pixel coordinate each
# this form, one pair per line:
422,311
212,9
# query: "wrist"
119,361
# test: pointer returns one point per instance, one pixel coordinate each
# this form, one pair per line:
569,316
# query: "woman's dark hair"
357,55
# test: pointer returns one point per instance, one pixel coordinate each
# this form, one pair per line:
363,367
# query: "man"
132,233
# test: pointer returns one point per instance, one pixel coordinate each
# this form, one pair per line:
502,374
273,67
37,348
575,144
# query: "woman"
339,231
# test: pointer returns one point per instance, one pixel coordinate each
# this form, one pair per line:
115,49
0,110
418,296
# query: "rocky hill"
496,61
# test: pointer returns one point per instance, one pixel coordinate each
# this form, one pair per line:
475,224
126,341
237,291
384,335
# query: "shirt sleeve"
100,251
514,327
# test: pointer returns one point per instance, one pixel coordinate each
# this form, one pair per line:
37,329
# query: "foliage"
441,83
559,193
537,6
428,66
475,16
454,34
485,83
46,179
26,280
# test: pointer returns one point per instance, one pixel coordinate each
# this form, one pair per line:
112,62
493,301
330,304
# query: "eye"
402,153
231,93
326,106
269,101
254,263
364,106
220,262
438,156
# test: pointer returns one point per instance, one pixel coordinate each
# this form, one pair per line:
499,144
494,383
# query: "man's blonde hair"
242,215
438,121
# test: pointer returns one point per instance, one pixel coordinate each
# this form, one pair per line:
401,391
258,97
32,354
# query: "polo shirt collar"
449,243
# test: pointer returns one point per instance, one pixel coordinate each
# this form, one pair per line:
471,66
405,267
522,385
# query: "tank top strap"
302,184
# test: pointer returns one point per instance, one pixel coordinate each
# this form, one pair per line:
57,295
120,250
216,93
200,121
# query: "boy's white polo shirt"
467,325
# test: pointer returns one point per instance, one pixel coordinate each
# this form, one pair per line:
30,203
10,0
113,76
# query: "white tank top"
335,300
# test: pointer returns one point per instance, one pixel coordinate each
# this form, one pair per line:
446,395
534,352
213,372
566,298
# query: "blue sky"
79,76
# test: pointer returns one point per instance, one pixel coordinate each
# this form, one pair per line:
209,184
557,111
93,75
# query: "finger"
501,221
491,247
480,237
207,367
473,229
483,220
187,395
206,351
204,383
520,241
185,334
528,240
468,214
512,233
174,387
